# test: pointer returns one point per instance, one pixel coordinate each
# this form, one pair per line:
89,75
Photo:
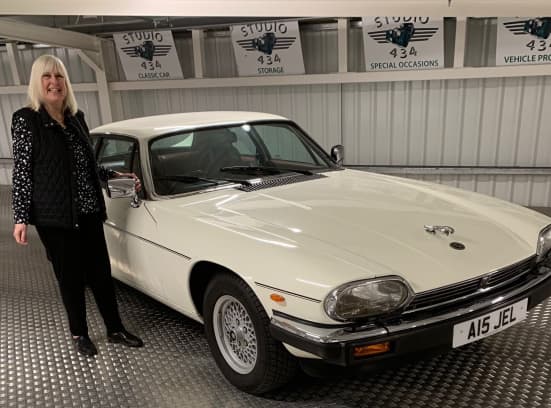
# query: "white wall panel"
319,48
534,191
476,122
316,108
8,105
5,70
218,58
5,174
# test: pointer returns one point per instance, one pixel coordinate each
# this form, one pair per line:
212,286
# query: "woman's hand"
20,233
138,183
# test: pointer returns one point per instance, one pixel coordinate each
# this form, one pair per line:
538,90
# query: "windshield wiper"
256,169
192,179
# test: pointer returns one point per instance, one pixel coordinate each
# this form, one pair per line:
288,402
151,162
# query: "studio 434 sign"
523,41
400,43
148,55
268,48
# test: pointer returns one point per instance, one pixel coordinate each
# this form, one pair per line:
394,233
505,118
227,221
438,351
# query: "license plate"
491,323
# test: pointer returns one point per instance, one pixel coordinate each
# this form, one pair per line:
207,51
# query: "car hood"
366,225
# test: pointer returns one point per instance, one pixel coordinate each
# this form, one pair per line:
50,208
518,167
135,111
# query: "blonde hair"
49,63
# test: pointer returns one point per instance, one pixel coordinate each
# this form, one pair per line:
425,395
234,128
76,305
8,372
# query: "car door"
127,229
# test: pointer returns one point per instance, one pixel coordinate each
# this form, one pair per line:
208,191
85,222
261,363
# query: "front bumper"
418,337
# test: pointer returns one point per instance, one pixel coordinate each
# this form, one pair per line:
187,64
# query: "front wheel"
237,330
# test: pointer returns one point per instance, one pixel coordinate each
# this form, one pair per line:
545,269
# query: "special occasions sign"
271,48
523,41
148,55
400,43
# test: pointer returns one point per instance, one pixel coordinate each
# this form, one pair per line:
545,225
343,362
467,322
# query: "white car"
247,225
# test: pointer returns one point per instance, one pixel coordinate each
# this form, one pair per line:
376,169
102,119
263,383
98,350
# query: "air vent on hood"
280,180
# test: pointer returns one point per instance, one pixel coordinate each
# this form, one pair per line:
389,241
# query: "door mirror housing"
337,154
123,187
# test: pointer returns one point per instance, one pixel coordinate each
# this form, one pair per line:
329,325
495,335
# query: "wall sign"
399,43
523,41
268,48
148,55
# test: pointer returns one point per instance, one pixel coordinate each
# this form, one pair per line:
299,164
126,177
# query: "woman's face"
54,89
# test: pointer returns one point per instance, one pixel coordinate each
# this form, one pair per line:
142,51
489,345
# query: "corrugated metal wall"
534,191
476,122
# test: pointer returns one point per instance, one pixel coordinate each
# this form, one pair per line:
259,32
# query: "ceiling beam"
17,30
281,8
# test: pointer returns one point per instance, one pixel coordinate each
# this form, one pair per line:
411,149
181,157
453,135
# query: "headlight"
544,243
368,298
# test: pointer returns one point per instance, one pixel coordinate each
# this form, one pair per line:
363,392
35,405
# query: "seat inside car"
214,149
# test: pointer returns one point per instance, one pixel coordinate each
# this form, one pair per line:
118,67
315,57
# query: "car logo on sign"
147,50
267,43
403,34
538,27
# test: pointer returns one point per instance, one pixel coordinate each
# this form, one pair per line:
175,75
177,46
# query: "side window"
116,154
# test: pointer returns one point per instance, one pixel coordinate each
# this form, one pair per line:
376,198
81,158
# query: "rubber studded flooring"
40,368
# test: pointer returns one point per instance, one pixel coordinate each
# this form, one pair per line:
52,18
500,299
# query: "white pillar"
13,55
197,37
103,87
342,40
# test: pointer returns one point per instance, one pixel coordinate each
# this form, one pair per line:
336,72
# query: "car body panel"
346,217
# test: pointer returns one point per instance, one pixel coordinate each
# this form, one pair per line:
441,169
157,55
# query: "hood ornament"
444,229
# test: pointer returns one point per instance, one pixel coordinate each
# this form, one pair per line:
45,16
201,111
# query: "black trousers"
79,258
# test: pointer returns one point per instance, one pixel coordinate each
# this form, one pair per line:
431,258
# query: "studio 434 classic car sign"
248,226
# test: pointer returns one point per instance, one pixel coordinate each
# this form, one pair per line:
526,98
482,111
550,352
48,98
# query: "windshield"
202,158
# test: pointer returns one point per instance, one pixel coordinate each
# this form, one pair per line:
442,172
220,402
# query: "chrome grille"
482,286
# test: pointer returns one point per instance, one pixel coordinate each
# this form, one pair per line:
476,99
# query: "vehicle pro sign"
400,43
148,55
268,48
523,41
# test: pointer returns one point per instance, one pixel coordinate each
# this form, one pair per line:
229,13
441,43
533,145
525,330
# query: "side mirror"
123,187
337,154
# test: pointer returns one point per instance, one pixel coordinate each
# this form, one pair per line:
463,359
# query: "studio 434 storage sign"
399,43
523,41
148,55
271,48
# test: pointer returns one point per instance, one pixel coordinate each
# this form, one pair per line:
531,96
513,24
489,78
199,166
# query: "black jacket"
54,192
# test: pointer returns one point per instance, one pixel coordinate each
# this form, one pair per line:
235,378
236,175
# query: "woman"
56,187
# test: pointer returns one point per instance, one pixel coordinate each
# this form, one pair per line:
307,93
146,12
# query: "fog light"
371,350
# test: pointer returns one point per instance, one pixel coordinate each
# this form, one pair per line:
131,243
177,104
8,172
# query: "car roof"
151,126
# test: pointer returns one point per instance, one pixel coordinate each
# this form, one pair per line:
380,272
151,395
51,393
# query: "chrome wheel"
235,334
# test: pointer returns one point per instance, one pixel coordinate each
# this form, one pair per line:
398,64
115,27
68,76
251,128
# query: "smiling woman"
56,187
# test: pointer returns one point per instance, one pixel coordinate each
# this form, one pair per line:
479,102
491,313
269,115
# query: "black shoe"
85,346
125,338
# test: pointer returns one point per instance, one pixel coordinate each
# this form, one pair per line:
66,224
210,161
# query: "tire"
237,330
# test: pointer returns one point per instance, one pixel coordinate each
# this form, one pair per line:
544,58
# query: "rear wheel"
237,330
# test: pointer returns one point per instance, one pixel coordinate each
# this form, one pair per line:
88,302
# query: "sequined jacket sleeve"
22,169
104,173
